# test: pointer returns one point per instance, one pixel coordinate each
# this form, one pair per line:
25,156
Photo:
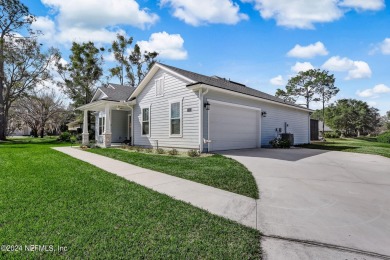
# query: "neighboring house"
176,108
326,128
22,131
74,125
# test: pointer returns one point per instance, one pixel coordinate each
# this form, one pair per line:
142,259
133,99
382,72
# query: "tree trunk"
42,132
34,132
3,120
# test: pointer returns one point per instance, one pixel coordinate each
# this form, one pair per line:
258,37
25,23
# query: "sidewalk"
219,202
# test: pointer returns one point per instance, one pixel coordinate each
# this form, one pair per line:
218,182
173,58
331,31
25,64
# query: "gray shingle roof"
116,92
227,84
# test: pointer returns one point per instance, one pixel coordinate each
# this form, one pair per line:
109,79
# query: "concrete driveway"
329,199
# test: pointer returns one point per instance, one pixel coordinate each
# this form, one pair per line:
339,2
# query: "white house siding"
277,115
174,88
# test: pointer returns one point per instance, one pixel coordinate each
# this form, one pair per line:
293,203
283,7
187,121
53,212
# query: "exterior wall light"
207,105
264,113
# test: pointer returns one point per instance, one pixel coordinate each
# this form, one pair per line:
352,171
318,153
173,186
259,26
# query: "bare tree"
26,67
40,111
14,16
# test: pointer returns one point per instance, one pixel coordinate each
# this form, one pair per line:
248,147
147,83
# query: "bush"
160,151
64,137
193,153
148,150
332,135
384,137
73,139
173,152
138,149
279,143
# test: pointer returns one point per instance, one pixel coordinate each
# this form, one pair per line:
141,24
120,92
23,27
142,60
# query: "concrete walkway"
219,202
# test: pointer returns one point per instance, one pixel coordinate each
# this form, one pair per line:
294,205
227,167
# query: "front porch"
113,122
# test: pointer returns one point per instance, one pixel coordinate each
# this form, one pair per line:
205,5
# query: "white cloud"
94,20
309,51
361,70
277,81
101,13
46,26
373,92
373,5
302,66
304,14
355,69
385,46
169,46
206,11
298,13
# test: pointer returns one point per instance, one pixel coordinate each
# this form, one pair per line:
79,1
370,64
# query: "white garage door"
232,127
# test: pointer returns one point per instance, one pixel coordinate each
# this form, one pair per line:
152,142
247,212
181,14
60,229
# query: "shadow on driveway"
292,155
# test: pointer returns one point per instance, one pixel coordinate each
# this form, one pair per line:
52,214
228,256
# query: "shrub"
64,137
193,153
138,149
279,143
332,135
73,139
384,137
173,152
130,147
160,151
148,150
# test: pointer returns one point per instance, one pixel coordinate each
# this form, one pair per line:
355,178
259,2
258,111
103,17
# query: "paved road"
336,198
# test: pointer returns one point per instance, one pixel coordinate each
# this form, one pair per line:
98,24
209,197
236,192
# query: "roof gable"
149,76
99,94
113,92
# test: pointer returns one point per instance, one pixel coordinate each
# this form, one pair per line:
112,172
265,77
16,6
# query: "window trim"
181,117
142,119
162,78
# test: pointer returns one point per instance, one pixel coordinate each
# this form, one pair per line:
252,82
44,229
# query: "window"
145,121
101,125
159,84
175,118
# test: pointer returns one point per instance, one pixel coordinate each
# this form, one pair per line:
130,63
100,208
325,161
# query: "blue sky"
257,42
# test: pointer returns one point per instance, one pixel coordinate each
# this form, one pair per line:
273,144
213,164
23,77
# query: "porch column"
85,134
107,127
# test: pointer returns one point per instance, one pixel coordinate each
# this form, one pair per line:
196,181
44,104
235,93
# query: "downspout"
201,111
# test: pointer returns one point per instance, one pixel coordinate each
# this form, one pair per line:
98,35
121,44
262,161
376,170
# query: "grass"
48,198
216,170
367,145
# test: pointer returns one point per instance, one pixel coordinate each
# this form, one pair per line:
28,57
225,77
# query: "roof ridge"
228,85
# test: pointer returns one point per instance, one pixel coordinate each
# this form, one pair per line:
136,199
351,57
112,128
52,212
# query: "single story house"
176,108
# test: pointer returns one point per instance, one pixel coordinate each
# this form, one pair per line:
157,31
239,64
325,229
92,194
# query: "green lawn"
48,198
367,145
216,170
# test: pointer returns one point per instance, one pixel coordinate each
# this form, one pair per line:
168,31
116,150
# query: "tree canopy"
14,16
82,73
352,117
312,85
130,68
